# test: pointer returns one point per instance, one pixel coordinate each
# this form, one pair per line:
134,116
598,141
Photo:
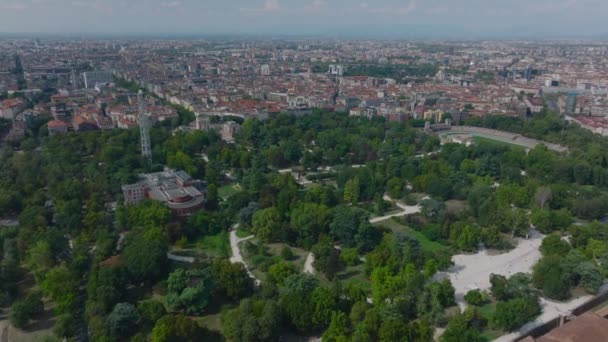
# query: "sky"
382,18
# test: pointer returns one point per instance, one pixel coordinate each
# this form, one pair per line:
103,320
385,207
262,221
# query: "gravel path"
236,252
406,210
308,268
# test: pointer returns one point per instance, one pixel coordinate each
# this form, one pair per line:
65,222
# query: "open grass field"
477,139
425,243
215,245
229,190
259,262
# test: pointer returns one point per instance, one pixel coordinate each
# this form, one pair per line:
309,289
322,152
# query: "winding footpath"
308,267
406,210
236,252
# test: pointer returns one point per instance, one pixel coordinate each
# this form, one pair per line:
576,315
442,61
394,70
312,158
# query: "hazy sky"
328,17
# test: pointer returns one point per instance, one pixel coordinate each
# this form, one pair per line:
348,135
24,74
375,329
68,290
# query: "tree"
281,271
554,245
212,197
123,320
189,290
40,259
395,187
267,224
350,226
549,276
327,257
325,302
352,190
308,221
145,254
543,196
541,219
252,321
465,327
350,256
339,328
512,314
177,328
468,239
516,286
591,278
246,214
512,194
148,214
294,298
231,278
61,285
151,311
107,286
23,311
475,297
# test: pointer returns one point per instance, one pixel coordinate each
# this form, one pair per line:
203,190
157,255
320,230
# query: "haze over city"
381,18
303,170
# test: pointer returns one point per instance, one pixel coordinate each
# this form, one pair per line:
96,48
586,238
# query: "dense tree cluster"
107,268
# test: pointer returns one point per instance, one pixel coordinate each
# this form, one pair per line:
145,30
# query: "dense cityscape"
303,189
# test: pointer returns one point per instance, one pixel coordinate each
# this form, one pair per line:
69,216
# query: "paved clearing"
472,271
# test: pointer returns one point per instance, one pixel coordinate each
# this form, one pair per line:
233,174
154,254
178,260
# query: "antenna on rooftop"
145,123
73,80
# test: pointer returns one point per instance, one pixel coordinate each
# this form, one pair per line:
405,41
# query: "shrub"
475,297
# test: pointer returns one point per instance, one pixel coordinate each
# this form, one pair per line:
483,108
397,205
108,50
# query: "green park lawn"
425,243
480,139
229,190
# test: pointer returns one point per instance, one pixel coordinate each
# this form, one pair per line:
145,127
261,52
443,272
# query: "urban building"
176,189
93,78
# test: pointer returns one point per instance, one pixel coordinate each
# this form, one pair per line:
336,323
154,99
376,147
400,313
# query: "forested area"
106,268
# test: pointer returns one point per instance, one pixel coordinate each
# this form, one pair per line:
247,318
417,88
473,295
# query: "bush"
287,254
123,320
475,297
23,311
151,310
514,313
350,256
554,245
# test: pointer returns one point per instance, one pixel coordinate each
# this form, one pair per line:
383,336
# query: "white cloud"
316,6
271,5
14,6
553,6
268,7
80,4
171,4
437,10
405,10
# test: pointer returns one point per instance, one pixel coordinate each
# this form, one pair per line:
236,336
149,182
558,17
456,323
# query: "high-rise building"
571,103
92,78
340,70
265,70
145,123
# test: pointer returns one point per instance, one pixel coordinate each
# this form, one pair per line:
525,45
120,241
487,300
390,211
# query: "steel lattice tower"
144,127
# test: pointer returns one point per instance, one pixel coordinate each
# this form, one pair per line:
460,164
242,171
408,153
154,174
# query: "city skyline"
384,18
